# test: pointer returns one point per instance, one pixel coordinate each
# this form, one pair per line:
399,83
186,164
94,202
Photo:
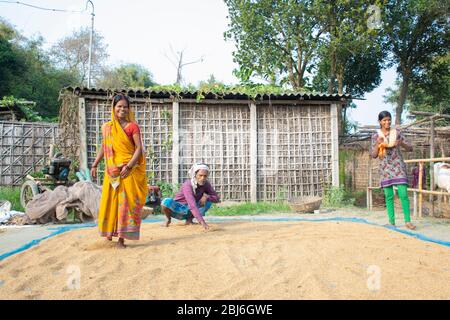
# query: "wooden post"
432,133
50,153
353,174
428,160
415,204
420,188
176,142
334,145
369,204
253,153
82,130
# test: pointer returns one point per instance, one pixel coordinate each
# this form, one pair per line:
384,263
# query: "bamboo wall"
294,150
218,135
24,148
294,144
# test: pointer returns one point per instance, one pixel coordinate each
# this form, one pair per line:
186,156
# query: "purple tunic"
392,167
186,196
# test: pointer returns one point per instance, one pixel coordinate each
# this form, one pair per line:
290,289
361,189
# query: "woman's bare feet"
121,243
190,221
167,221
410,226
167,212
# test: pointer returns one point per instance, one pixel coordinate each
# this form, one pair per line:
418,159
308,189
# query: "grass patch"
12,194
337,197
249,208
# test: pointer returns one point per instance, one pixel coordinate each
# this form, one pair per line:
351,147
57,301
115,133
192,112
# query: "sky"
143,32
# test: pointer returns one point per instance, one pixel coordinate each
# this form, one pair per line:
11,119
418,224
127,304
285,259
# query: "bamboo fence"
24,148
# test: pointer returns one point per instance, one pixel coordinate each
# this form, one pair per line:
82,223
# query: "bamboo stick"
432,167
415,204
368,198
436,115
428,160
370,183
437,193
420,188
175,142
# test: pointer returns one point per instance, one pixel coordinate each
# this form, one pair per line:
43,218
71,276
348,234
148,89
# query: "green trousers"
403,195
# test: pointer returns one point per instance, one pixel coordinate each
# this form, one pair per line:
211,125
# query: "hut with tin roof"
267,147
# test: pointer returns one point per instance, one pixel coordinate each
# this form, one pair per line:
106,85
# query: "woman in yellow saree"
125,181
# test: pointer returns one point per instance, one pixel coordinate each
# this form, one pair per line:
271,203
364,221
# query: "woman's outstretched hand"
93,172
205,225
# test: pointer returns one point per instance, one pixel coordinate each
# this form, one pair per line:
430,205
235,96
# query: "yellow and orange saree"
122,199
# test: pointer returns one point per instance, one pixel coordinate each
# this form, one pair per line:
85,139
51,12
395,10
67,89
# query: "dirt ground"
238,259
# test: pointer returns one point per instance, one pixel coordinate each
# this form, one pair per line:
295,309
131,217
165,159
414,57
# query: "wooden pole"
369,191
50,153
334,145
436,193
82,130
415,204
420,188
428,160
253,153
431,114
176,142
368,198
432,134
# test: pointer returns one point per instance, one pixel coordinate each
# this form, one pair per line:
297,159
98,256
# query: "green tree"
41,82
27,73
349,54
415,35
129,75
429,91
350,59
71,54
275,40
12,64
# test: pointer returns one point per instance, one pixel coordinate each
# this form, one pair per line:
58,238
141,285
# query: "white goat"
442,176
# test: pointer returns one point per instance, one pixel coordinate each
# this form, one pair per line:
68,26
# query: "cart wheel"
27,192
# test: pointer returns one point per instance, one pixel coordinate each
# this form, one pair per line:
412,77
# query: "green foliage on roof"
24,106
253,91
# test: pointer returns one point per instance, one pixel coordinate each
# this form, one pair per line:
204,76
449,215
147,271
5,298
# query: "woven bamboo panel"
293,142
294,151
24,148
218,135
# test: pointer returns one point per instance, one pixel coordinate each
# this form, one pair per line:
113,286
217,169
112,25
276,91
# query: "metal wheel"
27,192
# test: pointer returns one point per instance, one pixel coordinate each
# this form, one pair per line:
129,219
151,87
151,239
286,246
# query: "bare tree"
178,63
